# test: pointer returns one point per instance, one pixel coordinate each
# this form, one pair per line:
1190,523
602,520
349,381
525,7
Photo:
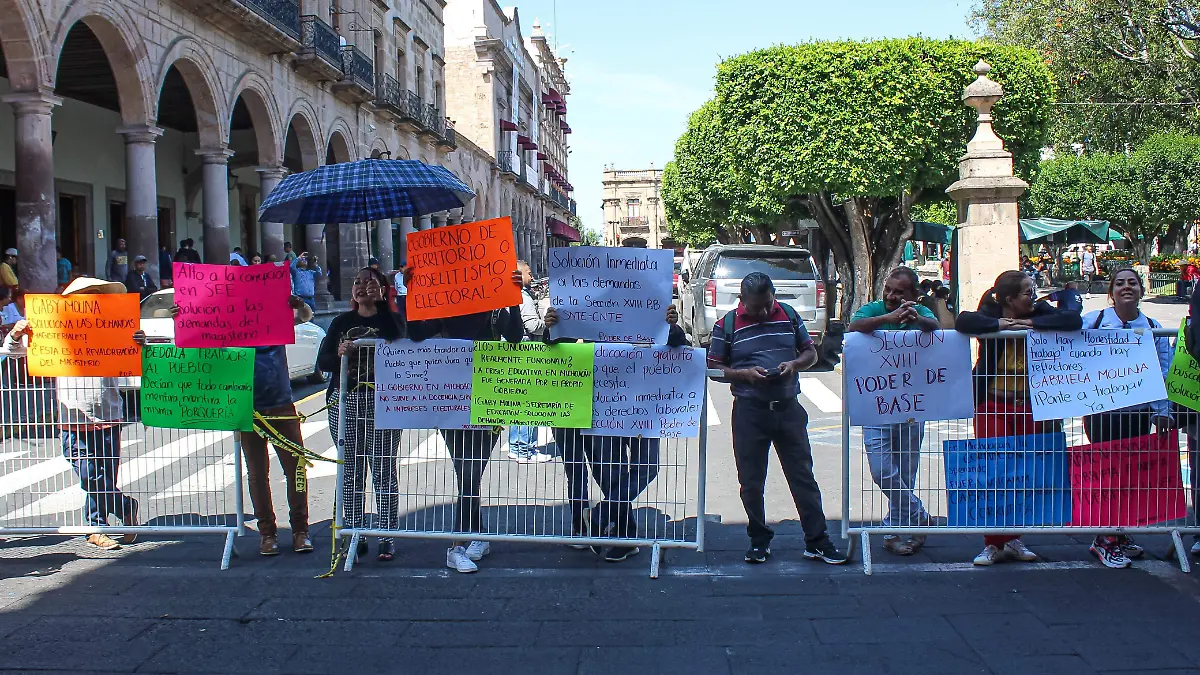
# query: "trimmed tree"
1170,179
856,133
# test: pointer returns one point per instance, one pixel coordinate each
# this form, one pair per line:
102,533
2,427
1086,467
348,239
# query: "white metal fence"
58,476
460,485
923,488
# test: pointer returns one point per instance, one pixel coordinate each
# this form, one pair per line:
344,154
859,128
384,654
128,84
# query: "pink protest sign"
1127,483
228,306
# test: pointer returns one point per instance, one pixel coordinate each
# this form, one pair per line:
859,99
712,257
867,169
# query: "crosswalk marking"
821,396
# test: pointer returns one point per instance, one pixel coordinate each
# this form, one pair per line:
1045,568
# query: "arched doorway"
347,244
256,169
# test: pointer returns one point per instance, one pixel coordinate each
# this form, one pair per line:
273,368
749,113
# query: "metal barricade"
914,477
58,477
460,485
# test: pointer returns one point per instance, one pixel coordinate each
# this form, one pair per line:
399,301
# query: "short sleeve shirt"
765,343
877,308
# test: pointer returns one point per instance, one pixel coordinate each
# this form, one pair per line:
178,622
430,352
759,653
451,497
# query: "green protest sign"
198,388
1183,380
533,384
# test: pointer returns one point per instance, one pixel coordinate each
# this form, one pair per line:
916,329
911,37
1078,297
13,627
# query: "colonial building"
507,95
163,120
633,209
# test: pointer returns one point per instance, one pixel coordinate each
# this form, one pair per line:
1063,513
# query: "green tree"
1169,165
1123,67
856,133
696,193
941,211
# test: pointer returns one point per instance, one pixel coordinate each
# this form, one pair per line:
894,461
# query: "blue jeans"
894,453
310,301
96,456
623,468
522,439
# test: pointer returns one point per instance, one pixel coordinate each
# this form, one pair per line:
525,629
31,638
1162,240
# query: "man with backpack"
760,348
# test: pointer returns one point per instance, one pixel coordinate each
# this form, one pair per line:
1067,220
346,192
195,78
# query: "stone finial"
537,27
982,95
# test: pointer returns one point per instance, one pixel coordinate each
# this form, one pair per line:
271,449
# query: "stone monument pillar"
987,194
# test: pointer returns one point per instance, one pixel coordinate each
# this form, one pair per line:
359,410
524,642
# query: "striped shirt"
766,343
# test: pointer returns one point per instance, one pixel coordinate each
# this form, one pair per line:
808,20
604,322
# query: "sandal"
387,550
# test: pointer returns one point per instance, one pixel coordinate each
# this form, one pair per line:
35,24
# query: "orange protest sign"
83,335
461,269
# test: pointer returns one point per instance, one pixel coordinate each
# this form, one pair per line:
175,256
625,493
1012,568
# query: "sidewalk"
160,607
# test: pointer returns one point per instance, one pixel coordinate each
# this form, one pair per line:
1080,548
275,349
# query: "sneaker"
619,553
519,455
539,457
456,559
302,543
899,545
1108,550
477,549
103,542
758,555
130,520
926,520
269,545
825,550
1017,550
990,555
1130,549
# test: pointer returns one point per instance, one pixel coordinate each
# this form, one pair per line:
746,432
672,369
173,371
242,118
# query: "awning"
522,139
541,156
505,125
548,100
553,93
566,128
531,145
562,230
1055,231
935,233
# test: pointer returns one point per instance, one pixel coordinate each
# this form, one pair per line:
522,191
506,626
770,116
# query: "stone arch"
401,152
193,63
339,147
256,94
22,37
303,122
480,206
126,51
379,148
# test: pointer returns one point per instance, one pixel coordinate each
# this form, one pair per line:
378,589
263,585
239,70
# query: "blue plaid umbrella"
358,192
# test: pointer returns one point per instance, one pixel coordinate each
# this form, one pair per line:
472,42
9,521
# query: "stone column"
425,222
314,244
215,219
272,233
141,195
987,194
353,239
383,232
406,228
37,213
439,219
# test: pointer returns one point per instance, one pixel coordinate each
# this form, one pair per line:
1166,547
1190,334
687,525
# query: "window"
420,81
779,268
633,208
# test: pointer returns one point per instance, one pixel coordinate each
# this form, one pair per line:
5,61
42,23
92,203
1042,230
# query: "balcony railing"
433,121
559,198
357,68
504,160
320,39
283,14
412,107
449,138
634,221
573,208
387,92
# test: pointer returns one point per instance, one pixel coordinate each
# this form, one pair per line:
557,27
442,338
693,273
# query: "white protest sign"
423,385
895,376
611,294
1091,371
654,392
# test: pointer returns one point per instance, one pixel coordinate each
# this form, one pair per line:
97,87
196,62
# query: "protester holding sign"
1001,383
894,451
623,467
469,449
522,440
90,414
370,317
761,347
1187,406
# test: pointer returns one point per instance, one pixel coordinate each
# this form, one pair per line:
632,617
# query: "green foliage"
942,211
1107,51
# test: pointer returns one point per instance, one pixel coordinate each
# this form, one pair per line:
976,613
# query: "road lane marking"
821,396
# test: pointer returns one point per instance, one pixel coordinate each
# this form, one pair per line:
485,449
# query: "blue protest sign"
611,294
1012,481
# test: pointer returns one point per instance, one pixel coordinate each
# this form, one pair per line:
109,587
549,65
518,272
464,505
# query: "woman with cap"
8,274
90,414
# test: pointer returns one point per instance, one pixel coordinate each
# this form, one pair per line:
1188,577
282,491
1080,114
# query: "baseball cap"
140,258
10,251
372,261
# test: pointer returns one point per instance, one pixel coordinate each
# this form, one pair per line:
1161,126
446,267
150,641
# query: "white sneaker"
477,549
456,559
1017,550
539,457
990,555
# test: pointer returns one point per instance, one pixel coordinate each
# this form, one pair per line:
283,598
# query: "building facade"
164,120
507,95
633,209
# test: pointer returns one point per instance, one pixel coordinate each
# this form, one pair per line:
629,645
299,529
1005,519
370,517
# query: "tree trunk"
1175,239
762,233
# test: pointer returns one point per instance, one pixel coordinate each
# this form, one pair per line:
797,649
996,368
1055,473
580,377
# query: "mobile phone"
774,372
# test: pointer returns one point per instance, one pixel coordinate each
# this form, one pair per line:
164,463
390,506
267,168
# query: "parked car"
713,290
158,325
675,279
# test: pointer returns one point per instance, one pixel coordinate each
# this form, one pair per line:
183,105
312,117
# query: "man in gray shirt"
118,263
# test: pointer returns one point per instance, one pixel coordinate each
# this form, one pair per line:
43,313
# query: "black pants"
1115,426
470,450
755,428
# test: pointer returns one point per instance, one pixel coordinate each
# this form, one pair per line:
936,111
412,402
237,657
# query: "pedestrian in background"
187,254
760,348
256,259
304,280
117,268
138,280
522,440
1000,376
894,451
364,445
166,273
10,314
236,255
288,254
63,269
1068,298
1087,268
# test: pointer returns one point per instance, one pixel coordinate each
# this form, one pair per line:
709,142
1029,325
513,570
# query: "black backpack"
730,318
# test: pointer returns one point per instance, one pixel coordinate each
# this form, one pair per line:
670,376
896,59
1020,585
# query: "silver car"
712,289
